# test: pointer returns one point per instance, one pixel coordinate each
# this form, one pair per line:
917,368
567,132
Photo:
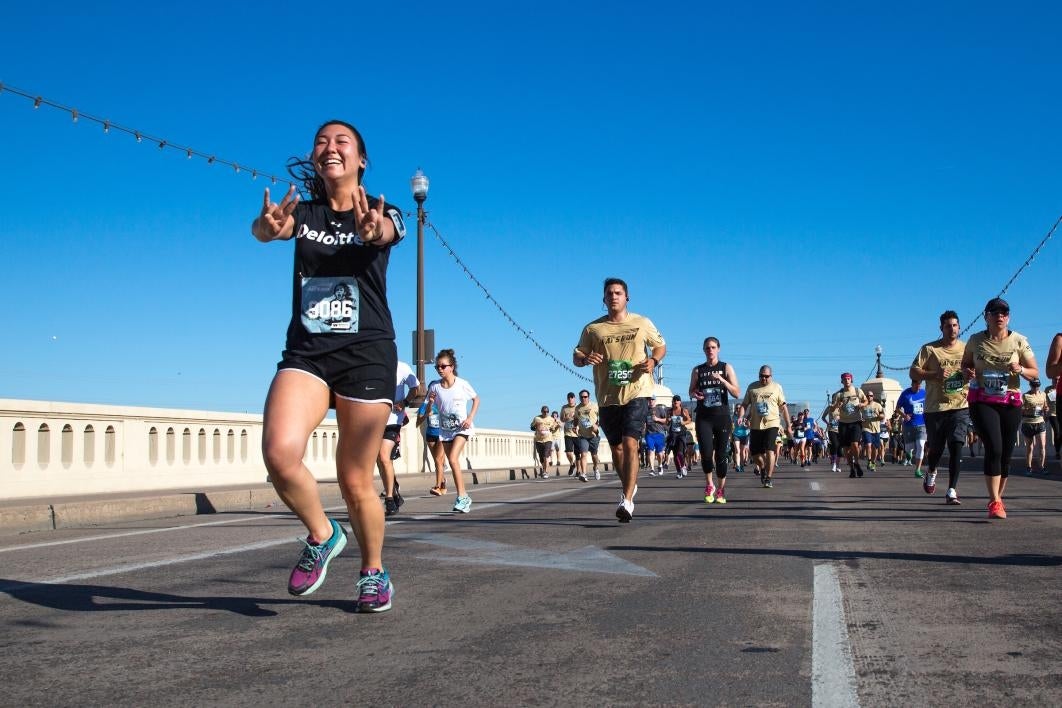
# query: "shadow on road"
1016,559
103,598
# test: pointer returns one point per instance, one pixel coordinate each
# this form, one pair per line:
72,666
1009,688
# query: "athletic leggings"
997,426
713,435
1053,421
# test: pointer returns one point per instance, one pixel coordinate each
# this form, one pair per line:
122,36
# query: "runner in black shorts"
615,345
711,385
340,350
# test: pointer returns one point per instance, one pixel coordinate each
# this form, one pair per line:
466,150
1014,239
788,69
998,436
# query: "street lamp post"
419,185
877,351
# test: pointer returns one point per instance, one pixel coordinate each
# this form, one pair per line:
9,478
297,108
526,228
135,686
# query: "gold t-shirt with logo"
992,361
623,345
586,419
764,403
1033,406
567,418
846,403
948,394
543,425
871,418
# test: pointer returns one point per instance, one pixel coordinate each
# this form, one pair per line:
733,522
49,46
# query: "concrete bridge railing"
55,448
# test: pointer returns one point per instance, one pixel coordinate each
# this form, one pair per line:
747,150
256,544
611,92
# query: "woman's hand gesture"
276,220
370,221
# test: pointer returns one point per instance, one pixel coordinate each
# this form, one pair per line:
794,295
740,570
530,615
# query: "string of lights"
1026,264
516,325
211,159
141,136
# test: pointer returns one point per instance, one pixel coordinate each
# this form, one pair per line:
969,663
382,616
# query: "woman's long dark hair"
303,171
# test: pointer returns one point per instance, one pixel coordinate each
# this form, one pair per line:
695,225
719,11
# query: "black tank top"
716,400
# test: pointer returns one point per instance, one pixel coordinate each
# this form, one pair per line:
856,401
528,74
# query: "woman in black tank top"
711,385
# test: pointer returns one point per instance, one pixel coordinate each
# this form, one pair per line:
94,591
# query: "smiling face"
337,154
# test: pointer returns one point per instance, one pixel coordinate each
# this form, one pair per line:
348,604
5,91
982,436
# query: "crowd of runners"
340,354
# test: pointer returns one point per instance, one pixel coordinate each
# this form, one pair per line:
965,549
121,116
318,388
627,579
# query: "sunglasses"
440,367
999,313
584,396
765,376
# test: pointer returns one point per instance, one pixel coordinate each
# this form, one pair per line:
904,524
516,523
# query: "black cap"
1035,383
676,397
997,304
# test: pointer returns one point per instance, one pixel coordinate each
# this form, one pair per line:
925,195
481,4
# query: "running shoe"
768,484
870,466
582,478
390,506
309,573
929,485
571,470
952,498
918,474
625,511
375,590
463,504
709,494
996,510
597,475
398,497
1028,471
720,496
437,491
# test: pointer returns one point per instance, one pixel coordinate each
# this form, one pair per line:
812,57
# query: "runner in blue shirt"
912,402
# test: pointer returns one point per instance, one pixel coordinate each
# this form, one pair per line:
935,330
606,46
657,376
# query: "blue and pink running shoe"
375,590
309,573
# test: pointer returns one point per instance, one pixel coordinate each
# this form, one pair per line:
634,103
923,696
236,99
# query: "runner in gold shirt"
1033,427
543,426
848,402
765,402
615,345
939,365
994,362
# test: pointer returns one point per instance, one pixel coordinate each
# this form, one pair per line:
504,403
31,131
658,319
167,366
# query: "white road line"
184,527
491,505
815,486
132,567
138,532
833,679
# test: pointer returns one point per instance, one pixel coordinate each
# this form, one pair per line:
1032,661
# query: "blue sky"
802,182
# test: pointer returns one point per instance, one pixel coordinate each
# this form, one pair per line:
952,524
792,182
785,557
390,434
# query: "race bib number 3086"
330,305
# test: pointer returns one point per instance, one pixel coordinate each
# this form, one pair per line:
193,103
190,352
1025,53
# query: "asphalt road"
822,591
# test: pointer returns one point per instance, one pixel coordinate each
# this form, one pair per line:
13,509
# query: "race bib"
433,418
713,398
954,383
620,372
451,422
676,423
330,305
917,407
800,435
762,407
543,429
995,382
585,424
